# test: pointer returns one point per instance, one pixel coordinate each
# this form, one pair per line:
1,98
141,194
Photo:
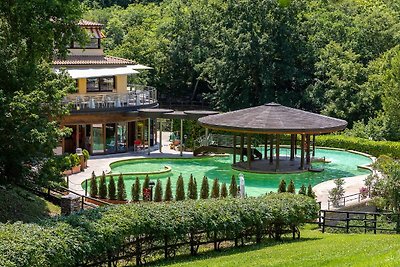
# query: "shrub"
282,186
195,193
66,163
180,189
103,186
136,190
111,189
121,192
192,190
204,191
94,191
146,185
303,190
291,188
75,161
233,187
337,193
224,191
96,234
158,191
310,192
168,190
86,154
215,189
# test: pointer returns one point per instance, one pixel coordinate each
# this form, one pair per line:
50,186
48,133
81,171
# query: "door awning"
77,73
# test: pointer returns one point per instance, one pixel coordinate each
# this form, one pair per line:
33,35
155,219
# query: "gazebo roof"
273,118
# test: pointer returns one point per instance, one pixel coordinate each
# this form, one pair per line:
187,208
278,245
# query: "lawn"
18,204
313,249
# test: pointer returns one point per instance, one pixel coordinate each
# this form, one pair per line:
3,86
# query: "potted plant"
86,157
66,165
75,162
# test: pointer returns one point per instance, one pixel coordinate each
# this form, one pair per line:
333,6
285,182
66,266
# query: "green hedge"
374,148
96,233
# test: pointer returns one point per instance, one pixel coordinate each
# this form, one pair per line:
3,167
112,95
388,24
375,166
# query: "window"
94,43
101,84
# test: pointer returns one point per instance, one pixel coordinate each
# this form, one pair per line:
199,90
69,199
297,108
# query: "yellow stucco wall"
82,86
121,83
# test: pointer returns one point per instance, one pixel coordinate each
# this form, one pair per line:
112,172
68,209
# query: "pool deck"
101,163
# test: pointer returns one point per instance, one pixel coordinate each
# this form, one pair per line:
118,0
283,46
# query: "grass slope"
313,249
17,204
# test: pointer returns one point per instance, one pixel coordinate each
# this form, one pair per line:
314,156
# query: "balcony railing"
137,95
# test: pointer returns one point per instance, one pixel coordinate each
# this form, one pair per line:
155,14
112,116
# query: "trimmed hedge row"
374,148
99,233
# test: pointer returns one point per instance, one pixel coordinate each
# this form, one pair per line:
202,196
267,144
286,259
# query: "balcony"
137,96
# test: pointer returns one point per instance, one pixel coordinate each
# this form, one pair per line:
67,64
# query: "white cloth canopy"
140,67
99,72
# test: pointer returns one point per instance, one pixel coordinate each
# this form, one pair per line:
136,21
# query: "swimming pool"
343,164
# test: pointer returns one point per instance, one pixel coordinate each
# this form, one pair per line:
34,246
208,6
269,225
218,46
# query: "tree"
195,193
121,192
136,190
291,188
337,193
205,190
93,186
303,190
158,191
282,186
215,189
168,190
233,187
146,185
103,186
180,189
192,190
310,192
224,191
111,189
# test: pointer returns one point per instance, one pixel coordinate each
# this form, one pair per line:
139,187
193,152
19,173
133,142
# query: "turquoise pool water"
343,164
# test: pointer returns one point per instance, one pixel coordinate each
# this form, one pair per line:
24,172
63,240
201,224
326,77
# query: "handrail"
348,198
83,196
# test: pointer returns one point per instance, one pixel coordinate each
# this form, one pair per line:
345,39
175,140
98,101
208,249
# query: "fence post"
375,223
398,224
347,221
344,201
86,185
365,223
83,202
323,222
359,198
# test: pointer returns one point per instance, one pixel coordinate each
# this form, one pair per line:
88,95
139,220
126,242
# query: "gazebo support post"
148,135
308,158
181,137
292,147
234,149
241,147
206,136
313,145
249,151
266,147
295,144
160,143
278,140
302,152
271,149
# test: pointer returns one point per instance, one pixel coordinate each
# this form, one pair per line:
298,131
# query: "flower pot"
76,169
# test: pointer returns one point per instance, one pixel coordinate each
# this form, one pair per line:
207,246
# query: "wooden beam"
160,143
241,147
148,136
302,152
234,149
271,149
249,152
308,158
292,147
313,145
278,140
266,147
77,136
181,142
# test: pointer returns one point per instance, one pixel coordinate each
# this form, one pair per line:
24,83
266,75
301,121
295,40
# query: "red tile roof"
86,23
93,60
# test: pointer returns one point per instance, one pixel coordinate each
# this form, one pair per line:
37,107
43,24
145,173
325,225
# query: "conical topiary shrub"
168,190
310,192
146,185
136,190
215,189
121,192
205,190
303,190
180,189
94,191
291,188
158,192
103,186
282,186
111,189
233,187
224,191
195,194
191,188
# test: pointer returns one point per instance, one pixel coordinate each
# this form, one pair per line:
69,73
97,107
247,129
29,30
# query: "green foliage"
215,189
233,187
146,184
310,192
136,190
374,148
102,186
97,233
158,191
282,186
337,193
205,190
94,191
168,191
224,191
121,191
85,154
303,190
192,189
291,188
180,189
111,189
75,161
66,163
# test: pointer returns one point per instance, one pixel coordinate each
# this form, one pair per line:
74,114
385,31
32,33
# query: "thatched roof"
273,118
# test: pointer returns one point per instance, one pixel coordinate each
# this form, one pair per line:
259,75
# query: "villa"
104,115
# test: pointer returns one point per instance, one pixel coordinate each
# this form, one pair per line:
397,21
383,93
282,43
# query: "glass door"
98,138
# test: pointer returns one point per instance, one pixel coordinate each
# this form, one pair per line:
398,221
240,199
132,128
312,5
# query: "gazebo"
273,121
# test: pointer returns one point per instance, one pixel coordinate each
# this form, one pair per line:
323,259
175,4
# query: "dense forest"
340,58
